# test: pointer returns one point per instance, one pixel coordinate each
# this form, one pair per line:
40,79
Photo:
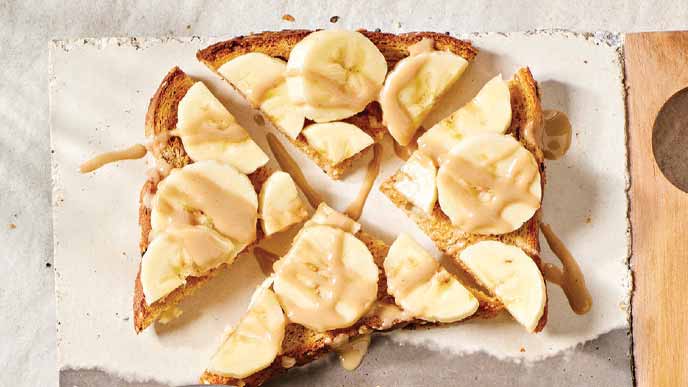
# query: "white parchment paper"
99,92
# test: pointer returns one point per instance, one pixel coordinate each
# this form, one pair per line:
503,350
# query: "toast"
160,119
279,45
526,110
304,345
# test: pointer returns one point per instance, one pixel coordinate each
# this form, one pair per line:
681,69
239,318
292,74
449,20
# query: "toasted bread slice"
526,110
279,44
304,345
161,118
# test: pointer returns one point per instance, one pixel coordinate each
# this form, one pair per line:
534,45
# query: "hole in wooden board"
670,139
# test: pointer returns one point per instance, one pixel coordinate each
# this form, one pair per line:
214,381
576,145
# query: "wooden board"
656,68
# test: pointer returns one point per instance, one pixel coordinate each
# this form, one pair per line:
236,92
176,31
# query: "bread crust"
161,117
279,44
526,108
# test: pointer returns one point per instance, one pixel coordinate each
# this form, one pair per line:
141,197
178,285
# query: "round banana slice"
255,342
413,88
327,280
512,276
422,287
489,184
335,74
210,193
210,132
180,252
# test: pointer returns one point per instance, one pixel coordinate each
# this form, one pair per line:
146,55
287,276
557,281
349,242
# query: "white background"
27,312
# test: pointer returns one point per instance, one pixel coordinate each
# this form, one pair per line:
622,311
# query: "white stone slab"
99,92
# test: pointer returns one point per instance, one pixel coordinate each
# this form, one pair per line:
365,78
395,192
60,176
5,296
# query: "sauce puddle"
556,136
356,207
132,153
292,168
405,152
352,352
569,277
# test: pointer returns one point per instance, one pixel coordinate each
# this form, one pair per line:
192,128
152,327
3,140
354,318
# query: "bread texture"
160,119
526,110
280,43
304,345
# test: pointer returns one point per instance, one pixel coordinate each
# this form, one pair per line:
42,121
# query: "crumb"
124,253
126,319
522,349
288,17
258,119
398,24
334,19
378,30
48,264
588,220
188,26
585,61
12,226
52,151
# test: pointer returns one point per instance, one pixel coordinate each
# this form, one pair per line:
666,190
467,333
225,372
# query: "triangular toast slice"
302,345
526,113
160,119
279,44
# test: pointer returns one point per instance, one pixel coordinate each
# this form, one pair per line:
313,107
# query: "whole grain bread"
279,44
160,119
526,111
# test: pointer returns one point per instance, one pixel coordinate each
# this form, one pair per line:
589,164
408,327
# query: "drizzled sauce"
132,153
352,352
405,152
356,207
556,136
292,168
569,277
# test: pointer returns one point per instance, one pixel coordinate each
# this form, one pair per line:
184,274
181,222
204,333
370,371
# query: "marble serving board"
99,92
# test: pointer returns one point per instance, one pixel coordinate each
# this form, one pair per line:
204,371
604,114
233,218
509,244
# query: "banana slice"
512,276
280,204
210,193
327,280
337,141
326,216
422,287
260,78
413,88
488,112
255,342
489,184
178,253
210,132
335,74
417,181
